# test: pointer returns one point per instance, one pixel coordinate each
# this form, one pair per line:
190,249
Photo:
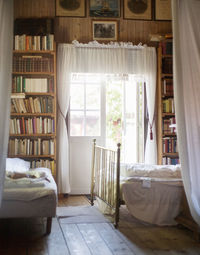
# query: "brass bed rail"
106,177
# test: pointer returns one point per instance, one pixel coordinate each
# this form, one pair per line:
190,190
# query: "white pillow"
17,165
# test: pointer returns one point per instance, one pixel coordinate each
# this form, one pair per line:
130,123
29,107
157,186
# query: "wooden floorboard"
27,236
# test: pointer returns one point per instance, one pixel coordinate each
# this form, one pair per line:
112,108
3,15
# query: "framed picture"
163,10
70,8
138,9
107,8
104,30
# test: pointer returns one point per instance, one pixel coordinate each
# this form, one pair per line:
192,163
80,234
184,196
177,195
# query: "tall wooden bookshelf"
33,101
167,139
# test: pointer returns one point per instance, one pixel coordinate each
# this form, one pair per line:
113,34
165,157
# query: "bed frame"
105,180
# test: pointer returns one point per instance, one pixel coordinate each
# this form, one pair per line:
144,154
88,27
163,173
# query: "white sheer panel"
6,31
99,58
187,94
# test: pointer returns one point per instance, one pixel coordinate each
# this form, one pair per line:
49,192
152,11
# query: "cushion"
17,165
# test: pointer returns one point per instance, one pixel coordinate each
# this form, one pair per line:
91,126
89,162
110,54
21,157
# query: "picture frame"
105,9
104,30
138,10
163,10
70,8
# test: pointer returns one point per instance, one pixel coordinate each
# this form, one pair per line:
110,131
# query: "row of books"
30,63
167,48
167,87
23,84
170,145
42,104
168,105
31,147
167,65
44,163
170,161
167,123
36,42
36,125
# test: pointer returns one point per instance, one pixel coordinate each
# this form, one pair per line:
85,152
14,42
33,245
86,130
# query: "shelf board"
32,156
34,73
34,52
167,74
169,134
32,135
32,114
165,114
167,95
171,154
15,94
167,55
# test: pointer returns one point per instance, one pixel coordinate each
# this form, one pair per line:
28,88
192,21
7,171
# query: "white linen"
150,170
186,95
31,193
157,204
17,165
116,58
6,40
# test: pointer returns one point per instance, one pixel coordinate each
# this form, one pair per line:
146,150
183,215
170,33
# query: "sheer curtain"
115,58
6,31
187,93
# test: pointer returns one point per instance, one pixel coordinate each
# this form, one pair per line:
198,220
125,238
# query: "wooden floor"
22,236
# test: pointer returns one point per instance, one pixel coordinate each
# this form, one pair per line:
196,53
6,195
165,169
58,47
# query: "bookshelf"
33,99
167,139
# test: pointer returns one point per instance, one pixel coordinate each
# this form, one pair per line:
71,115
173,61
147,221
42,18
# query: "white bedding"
28,189
152,193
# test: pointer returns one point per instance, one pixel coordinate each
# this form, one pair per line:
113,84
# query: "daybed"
34,194
152,193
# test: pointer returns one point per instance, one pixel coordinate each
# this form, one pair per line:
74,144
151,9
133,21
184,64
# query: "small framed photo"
108,9
141,10
70,8
163,10
104,30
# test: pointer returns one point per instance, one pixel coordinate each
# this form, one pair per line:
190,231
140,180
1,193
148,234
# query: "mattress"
153,200
35,201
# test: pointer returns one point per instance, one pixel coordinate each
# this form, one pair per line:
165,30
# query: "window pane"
92,97
77,96
92,123
76,123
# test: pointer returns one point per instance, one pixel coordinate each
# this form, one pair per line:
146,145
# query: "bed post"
117,188
48,227
93,172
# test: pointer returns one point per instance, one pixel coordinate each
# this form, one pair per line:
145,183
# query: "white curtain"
6,31
186,35
115,58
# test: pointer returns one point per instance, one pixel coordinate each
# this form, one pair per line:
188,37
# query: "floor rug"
80,214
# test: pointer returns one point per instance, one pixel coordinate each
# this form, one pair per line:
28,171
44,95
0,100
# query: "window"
85,105
111,106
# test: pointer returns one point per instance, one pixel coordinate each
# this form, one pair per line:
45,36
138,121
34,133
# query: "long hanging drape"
187,96
122,58
6,31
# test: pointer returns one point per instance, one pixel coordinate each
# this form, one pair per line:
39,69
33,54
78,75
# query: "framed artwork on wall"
70,8
138,9
163,10
107,8
104,30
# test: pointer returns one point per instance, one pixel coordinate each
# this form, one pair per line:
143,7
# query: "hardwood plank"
56,244
74,239
93,239
113,241
133,242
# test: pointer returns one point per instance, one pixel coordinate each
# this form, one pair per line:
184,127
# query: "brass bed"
144,192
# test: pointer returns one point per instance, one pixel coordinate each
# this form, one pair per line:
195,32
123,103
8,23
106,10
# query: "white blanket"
153,200
29,189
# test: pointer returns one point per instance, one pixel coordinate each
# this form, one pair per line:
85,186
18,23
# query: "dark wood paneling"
68,29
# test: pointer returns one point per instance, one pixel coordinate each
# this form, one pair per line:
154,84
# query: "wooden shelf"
40,64
171,154
32,114
31,156
168,134
168,114
32,135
